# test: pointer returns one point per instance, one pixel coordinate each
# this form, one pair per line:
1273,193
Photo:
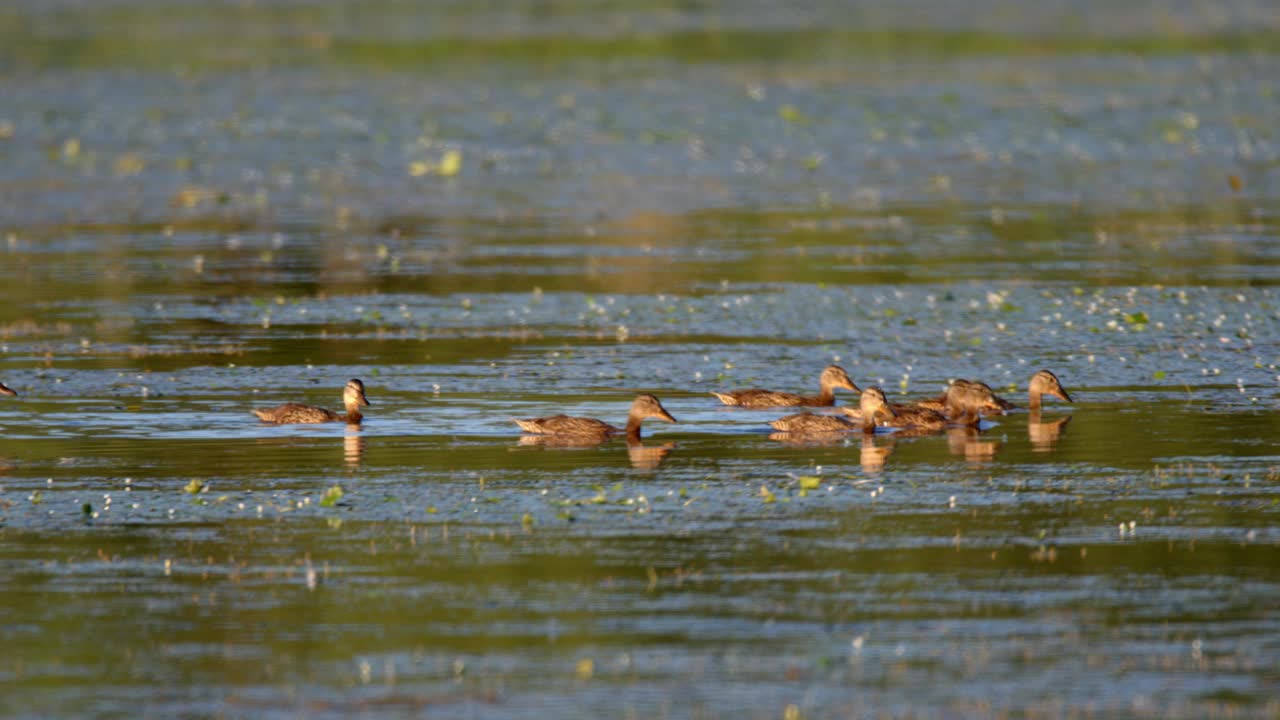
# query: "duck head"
873,404
985,399
353,395
647,406
1046,383
834,376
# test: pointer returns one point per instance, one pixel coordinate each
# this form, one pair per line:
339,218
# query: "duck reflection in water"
873,449
873,454
642,457
967,442
648,457
353,445
1044,435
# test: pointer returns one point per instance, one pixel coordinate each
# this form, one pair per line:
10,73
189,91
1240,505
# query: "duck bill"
364,401
1061,394
664,415
7,391
887,412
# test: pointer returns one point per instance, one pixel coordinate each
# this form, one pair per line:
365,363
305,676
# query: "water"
234,206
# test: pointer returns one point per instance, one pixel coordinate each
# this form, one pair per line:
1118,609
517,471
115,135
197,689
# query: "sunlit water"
188,235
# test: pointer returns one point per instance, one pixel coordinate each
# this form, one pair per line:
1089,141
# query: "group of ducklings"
964,403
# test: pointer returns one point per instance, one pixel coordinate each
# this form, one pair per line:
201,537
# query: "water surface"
487,213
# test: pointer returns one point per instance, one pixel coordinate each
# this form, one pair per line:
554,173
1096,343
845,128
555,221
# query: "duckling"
916,420
937,404
940,402
352,398
7,391
643,407
832,377
1044,383
968,400
1044,435
873,403
910,421
965,401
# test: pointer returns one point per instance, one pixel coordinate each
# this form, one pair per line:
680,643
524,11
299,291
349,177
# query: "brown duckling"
940,402
937,404
352,398
644,406
1042,383
1044,435
910,421
7,391
873,403
967,401
832,377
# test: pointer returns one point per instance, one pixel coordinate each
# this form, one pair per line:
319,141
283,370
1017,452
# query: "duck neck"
633,429
868,424
826,395
1033,400
353,416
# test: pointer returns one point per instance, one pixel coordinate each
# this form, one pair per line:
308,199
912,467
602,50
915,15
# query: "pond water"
488,213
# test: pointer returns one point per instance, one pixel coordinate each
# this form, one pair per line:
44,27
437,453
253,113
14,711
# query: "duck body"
807,422
568,425
832,377
642,408
921,419
909,420
872,403
290,413
353,399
